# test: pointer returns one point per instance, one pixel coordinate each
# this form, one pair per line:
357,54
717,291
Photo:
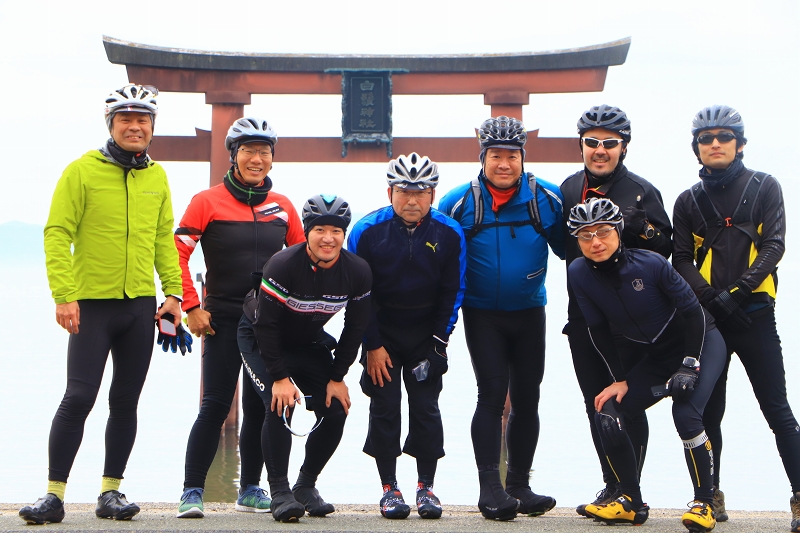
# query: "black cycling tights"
126,328
507,352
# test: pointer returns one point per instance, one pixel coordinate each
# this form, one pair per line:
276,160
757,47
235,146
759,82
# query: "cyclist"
605,133
101,278
284,347
415,300
729,238
638,294
240,224
504,316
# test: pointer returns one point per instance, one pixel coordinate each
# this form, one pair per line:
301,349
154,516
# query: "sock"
426,471
387,470
700,460
109,483
58,488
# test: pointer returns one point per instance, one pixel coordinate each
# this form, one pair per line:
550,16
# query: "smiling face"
325,244
601,161
718,155
598,249
503,167
253,162
132,131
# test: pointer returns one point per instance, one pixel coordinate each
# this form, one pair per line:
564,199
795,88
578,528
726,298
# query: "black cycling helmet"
718,116
594,211
606,117
326,209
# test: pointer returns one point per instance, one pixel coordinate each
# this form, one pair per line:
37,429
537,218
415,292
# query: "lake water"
33,377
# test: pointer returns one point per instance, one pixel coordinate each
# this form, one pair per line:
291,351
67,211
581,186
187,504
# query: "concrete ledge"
221,517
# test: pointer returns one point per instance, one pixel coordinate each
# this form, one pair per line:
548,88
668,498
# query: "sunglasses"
723,137
601,233
289,427
608,144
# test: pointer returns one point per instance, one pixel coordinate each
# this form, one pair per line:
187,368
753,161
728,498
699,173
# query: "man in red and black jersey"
285,347
241,223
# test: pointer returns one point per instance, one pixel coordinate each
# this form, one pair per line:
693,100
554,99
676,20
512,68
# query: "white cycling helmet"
413,171
134,99
249,129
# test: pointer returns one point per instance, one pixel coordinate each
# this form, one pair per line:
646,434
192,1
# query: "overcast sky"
684,55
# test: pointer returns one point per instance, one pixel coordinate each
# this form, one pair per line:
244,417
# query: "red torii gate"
229,79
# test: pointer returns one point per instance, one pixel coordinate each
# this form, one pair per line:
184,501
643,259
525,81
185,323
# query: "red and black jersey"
240,228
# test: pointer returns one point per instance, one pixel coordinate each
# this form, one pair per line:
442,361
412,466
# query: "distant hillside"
20,242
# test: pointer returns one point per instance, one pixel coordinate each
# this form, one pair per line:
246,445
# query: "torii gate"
229,79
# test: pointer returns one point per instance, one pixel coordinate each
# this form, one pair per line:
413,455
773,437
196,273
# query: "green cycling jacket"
107,230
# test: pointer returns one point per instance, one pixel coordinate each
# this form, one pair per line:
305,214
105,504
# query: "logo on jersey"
638,284
432,246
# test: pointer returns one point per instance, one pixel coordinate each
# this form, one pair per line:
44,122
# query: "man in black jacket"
729,237
605,133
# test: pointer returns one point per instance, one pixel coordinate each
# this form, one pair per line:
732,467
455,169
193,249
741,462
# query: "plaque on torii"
228,80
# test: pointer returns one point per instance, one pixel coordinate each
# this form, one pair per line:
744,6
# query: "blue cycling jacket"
418,276
506,265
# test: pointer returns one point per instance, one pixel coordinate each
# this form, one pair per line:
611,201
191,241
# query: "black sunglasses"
608,144
723,137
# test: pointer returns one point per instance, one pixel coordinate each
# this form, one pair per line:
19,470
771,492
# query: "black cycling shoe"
47,509
113,504
428,505
530,503
285,508
493,502
310,499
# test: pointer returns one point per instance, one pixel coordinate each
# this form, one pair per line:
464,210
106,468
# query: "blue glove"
182,339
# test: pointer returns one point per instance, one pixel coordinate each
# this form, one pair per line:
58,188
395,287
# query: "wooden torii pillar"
228,80
506,82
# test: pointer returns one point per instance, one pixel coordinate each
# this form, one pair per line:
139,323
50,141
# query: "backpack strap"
535,218
742,218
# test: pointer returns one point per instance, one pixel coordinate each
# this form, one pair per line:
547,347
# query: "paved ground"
363,518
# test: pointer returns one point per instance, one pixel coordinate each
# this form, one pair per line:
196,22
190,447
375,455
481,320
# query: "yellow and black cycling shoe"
620,511
699,517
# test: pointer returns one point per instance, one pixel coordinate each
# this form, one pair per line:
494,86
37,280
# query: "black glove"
635,219
437,356
681,384
725,306
182,338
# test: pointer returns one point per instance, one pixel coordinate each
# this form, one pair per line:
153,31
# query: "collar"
245,193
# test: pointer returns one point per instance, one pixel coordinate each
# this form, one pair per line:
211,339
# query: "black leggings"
507,352
759,350
221,365
663,360
593,377
127,329
310,368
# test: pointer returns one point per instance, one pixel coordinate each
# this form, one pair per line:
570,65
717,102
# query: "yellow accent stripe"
696,473
612,468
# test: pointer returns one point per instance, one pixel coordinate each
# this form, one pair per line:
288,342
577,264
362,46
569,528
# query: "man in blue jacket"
418,258
509,218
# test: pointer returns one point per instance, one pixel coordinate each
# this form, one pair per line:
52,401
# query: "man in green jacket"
110,223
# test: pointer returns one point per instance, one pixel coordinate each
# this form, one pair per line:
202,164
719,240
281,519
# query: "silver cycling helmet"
594,211
607,117
502,132
413,171
131,98
325,209
246,130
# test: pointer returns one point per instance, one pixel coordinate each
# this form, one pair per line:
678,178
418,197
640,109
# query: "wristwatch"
691,362
649,231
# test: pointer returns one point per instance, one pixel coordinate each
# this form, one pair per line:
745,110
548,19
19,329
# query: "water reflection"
222,483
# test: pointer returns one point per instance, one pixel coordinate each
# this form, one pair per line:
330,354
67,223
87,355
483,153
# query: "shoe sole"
291,514
430,512
246,509
194,512
37,522
125,515
694,527
399,516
